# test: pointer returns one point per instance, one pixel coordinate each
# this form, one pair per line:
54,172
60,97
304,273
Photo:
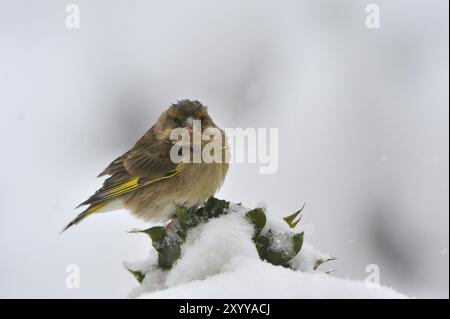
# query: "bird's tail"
90,210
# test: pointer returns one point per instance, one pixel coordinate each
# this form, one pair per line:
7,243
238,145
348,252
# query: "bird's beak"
189,123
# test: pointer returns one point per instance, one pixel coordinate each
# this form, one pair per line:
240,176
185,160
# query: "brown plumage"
146,181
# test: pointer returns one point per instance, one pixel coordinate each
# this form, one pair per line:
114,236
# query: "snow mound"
219,260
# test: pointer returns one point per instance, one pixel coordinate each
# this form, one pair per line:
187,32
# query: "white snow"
219,260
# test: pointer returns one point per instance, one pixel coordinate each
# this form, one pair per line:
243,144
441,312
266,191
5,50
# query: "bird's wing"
146,163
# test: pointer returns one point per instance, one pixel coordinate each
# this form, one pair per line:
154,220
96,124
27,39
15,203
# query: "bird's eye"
177,121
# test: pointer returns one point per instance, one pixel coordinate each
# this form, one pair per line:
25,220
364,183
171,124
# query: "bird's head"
183,114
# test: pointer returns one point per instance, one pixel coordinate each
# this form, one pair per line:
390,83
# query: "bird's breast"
195,183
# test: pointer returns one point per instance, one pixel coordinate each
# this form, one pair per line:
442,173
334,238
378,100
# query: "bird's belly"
190,188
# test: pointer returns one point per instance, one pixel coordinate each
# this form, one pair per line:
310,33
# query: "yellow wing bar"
128,186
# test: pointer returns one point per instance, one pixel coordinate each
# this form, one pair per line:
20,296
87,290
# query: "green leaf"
298,243
137,274
185,217
168,255
290,220
278,257
322,261
155,233
266,252
168,250
258,219
215,207
275,258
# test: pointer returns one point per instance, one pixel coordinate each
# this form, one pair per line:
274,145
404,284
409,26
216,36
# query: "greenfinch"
148,182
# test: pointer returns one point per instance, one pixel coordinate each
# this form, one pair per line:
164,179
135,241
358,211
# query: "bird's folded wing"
143,165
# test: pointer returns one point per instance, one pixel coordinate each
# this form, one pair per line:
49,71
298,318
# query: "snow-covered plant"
273,245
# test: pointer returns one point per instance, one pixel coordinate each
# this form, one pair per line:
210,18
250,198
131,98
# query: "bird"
147,181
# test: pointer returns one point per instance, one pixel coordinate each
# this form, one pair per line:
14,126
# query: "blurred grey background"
362,117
